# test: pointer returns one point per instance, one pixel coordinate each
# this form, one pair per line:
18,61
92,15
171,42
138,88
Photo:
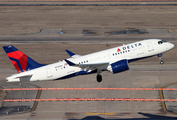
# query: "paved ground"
143,73
2,96
31,19
138,76
91,35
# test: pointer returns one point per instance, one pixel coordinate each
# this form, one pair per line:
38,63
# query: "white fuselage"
60,70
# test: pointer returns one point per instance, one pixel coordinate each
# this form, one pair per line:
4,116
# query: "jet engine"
118,66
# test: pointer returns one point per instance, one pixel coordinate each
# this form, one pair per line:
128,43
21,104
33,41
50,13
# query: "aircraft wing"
98,66
72,54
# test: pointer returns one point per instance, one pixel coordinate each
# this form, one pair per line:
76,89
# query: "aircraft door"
150,47
49,73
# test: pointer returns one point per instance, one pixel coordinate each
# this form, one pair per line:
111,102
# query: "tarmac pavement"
24,32
141,76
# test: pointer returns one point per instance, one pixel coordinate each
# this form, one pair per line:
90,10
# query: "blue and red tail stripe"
20,61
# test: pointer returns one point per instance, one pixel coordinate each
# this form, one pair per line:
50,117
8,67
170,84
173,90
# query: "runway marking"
37,97
92,113
91,99
163,102
8,89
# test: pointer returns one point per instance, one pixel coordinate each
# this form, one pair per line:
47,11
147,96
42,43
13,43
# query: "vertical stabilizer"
20,61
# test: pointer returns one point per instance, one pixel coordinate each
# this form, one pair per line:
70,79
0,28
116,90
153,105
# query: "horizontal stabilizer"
24,75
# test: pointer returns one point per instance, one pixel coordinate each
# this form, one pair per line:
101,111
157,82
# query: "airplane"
114,60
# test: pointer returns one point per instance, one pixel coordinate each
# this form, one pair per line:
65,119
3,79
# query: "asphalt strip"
88,4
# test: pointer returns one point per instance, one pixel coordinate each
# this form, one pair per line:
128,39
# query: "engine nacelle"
119,66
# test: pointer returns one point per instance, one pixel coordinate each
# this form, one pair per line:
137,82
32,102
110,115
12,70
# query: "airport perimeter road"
141,76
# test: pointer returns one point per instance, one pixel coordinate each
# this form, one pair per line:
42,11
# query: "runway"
138,76
44,33
147,73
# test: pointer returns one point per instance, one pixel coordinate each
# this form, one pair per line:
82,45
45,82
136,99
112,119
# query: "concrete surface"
138,76
31,19
143,73
92,35
170,106
18,107
89,3
25,21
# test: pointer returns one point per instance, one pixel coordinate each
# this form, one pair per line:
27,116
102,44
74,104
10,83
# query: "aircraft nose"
171,45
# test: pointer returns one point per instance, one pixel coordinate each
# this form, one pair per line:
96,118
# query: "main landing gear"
160,59
99,78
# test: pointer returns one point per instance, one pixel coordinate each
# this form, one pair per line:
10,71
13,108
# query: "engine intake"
119,66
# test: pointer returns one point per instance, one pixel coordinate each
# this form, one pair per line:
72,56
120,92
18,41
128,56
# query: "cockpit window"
161,42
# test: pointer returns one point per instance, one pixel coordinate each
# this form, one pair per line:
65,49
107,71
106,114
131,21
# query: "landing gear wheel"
161,62
99,78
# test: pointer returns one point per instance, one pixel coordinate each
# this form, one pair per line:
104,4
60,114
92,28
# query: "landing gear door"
49,73
150,47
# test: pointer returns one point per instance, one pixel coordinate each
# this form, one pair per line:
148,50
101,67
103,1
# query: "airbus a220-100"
114,60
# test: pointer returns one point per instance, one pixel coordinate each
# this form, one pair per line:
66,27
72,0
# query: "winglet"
70,63
70,53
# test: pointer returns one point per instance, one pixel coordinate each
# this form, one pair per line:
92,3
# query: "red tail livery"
20,61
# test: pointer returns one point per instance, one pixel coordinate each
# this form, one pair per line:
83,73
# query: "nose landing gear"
160,59
161,62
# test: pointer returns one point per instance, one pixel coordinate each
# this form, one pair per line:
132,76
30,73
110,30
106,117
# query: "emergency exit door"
49,73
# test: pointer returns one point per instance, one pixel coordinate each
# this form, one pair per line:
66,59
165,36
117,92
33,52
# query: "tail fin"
20,61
